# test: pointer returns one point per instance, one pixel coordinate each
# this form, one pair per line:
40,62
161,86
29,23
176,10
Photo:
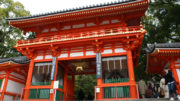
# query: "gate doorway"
77,78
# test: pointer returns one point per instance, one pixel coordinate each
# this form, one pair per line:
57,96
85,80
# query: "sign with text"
97,90
98,65
56,84
53,67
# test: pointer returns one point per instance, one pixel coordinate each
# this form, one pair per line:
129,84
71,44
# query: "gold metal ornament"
80,66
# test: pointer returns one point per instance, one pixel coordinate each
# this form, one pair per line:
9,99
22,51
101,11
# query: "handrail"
82,35
127,84
115,80
40,83
37,92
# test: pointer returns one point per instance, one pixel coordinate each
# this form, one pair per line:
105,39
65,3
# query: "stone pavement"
147,99
150,99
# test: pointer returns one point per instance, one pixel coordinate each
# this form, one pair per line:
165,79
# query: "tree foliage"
162,24
8,34
86,83
162,21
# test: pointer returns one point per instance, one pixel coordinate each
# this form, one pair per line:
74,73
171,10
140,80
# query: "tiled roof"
76,9
18,60
151,47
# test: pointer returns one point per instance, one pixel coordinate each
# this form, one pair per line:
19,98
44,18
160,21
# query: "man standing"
169,80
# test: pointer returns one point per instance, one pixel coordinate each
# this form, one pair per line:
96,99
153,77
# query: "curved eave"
153,48
158,55
166,51
15,60
155,63
140,5
11,64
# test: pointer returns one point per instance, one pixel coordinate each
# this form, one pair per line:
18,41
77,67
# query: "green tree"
162,24
8,34
162,21
86,83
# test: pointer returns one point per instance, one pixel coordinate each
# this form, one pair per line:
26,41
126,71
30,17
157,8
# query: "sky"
45,6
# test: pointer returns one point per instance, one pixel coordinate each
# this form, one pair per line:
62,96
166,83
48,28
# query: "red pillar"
100,94
29,77
133,91
5,85
52,95
172,66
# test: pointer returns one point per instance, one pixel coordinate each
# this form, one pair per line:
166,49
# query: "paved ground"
150,99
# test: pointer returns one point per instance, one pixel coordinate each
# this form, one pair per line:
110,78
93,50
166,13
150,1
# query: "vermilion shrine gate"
13,74
163,55
102,39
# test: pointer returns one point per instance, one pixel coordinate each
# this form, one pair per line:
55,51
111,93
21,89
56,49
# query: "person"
169,80
163,89
154,90
142,88
154,87
161,93
149,90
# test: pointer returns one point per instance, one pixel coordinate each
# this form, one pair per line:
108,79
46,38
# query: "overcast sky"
44,6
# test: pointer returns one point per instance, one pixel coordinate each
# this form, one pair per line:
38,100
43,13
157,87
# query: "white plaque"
97,90
56,84
51,91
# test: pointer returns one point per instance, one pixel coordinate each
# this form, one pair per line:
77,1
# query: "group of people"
165,88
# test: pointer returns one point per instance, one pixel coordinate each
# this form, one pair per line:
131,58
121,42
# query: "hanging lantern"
80,66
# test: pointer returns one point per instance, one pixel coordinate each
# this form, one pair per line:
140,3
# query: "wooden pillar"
99,76
29,77
100,94
133,91
65,84
5,85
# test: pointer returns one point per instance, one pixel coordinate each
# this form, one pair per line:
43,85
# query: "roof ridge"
151,47
76,9
19,60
